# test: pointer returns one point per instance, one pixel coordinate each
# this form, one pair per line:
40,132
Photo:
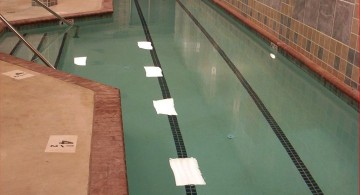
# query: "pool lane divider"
174,125
304,172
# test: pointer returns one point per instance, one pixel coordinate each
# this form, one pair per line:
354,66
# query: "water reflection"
320,126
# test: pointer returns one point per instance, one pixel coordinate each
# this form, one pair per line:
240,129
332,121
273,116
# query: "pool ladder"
46,62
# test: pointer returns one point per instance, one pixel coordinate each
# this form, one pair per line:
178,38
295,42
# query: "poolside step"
8,43
52,48
49,44
23,52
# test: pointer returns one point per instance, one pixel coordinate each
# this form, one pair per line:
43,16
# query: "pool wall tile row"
323,35
107,156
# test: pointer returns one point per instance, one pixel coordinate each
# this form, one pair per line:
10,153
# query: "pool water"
220,123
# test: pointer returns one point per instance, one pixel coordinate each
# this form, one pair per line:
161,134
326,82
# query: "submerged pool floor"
256,125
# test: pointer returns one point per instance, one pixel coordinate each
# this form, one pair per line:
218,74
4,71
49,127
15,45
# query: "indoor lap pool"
255,121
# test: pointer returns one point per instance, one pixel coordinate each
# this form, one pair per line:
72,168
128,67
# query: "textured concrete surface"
22,9
107,167
20,12
32,109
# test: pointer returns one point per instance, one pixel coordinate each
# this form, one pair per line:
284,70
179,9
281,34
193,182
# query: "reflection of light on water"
272,56
80,61
213,70
212,81
198,47
236,106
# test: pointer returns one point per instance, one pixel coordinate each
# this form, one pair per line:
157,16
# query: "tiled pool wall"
324,32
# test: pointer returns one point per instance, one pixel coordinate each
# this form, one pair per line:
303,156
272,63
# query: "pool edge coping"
353,94
103,177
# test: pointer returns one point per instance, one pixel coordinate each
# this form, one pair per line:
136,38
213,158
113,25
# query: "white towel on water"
152,71
145,45
186,171
165,106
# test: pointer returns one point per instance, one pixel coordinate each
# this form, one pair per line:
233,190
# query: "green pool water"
212,105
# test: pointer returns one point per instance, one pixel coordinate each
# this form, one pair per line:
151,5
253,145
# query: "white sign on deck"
62,144
18,74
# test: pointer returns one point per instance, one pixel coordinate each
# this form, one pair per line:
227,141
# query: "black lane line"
175,128
304,172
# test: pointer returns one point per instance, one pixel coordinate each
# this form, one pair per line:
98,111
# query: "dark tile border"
107,156
348,94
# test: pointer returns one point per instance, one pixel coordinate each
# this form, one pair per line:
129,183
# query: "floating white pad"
18,74
186,171
165,106
152,71
145,45
80,61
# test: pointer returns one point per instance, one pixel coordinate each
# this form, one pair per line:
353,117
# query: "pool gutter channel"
304,172
174,124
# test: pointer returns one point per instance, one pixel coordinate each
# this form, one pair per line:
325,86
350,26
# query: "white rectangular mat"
165,106
186,171
145,45
152,71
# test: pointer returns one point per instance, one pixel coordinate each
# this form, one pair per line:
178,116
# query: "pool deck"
20,12
57,103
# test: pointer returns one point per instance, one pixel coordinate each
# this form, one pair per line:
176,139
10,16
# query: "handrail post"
28,44
54,13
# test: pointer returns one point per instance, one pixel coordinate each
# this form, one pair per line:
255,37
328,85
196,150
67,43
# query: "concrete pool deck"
56,103
22,12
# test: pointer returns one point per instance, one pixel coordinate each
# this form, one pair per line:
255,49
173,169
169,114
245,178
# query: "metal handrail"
28,44
54,13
